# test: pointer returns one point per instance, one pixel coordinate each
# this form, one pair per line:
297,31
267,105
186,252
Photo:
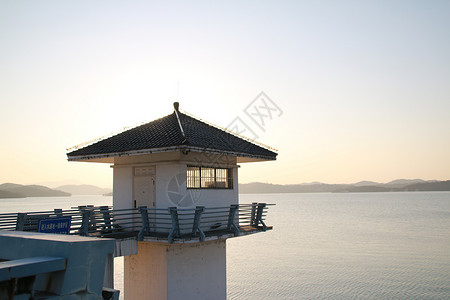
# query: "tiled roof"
165,134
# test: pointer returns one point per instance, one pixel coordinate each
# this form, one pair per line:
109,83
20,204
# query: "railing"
168,224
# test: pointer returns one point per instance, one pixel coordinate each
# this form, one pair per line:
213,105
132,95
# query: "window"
209,178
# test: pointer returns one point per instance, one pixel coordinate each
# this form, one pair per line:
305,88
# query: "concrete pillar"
108,280
145,274
176,271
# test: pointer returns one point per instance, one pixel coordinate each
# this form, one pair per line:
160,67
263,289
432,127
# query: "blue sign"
59,225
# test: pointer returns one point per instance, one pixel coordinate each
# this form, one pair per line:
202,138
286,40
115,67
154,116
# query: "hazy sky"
364,86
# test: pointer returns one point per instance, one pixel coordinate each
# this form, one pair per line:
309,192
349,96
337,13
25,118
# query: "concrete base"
82,277
176,271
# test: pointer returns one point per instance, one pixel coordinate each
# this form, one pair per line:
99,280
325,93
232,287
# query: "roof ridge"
176,105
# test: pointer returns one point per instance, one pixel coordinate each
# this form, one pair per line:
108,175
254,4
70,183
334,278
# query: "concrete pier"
176,271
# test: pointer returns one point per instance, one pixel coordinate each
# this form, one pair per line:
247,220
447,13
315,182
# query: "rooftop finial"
176,105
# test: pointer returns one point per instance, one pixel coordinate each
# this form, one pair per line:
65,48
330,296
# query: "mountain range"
13,190
399,185
83,189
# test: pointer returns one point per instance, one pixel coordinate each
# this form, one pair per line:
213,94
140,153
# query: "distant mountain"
55,183
13,190
364,189
366,183
83,189
262,188
403,182
9,186
429,186
8,194
359,187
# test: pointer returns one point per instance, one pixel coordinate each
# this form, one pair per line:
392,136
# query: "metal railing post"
145,223
85,216
92,221
253,216
106,216
231,224
259,215
196,225
20,223
175,231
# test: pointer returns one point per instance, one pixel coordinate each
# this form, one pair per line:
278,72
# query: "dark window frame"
211,178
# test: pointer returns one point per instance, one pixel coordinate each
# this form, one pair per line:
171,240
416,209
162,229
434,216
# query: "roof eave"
167,149
232,153
119,154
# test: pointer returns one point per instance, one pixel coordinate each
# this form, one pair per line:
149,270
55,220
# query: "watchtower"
175,163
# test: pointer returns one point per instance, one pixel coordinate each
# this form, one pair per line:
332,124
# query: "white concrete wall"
197,271
123,187
170,184
219,197
170,188
181,271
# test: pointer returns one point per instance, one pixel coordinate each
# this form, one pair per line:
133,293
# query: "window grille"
209,178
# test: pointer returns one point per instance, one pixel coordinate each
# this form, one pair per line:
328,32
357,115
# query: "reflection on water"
327,246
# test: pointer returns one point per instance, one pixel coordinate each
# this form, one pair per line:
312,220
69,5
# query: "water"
346,246
328,246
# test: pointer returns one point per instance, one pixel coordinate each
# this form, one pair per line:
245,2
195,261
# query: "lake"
328,246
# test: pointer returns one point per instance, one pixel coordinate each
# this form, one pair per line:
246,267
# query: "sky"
361,88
